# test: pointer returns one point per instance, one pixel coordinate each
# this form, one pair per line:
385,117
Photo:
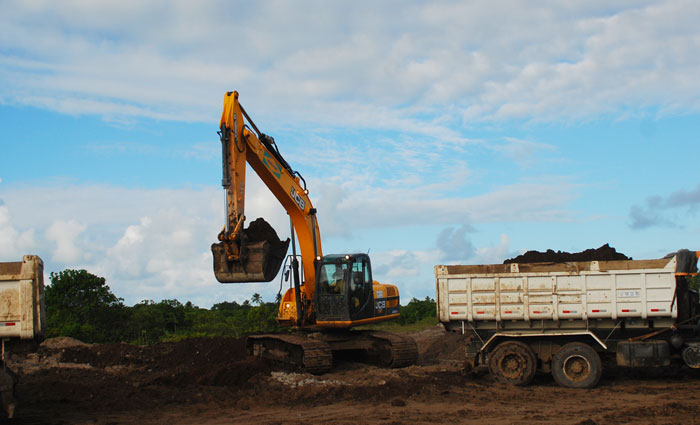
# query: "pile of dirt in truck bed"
604,253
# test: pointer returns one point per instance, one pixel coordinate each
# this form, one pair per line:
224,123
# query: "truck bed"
22,298
643,289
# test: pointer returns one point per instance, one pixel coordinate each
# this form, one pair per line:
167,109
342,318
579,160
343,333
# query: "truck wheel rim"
511,366
576,368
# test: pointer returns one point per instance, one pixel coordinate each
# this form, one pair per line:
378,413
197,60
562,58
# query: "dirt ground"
212,381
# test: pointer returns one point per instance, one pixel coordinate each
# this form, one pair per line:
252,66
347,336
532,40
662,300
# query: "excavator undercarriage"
314,352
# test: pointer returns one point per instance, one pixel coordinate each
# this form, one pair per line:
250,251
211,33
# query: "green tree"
81,305
417,310
695,282
256,299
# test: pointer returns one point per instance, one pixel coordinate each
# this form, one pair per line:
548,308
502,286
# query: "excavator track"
394,350
308,354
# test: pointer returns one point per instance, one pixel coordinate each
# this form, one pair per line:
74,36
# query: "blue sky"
448,132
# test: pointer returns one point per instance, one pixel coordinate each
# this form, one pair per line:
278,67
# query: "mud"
604,253
260,230
212,381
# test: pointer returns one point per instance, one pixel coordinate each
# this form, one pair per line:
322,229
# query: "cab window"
332,278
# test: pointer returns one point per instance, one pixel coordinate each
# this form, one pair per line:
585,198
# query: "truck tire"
576,365
513,362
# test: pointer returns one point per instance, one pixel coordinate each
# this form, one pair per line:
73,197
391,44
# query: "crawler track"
311,355
397,350
314,353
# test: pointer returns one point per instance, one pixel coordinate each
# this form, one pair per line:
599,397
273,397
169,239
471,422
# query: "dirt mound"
62,342
120,377
260,230
436,345
604,253
195,361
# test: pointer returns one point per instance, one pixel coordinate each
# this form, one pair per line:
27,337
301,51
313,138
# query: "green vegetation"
417,310
695,282
81,305
416,315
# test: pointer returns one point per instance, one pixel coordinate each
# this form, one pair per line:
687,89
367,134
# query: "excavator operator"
336,287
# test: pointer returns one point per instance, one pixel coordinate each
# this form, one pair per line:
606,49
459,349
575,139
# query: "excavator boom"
255,253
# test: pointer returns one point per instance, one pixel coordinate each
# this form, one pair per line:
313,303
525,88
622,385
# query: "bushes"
81,305
417,310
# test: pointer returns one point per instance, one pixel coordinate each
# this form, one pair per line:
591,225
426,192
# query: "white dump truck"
22,316
568,319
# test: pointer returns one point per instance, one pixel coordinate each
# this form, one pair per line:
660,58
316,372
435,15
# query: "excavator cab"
344,289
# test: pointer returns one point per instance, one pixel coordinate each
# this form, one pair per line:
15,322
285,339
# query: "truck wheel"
577,365
513,362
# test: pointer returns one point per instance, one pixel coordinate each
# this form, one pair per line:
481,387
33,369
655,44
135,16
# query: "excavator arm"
255,254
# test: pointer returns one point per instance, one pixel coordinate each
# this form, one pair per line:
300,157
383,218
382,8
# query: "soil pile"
67,376
604,253
195,361
212,381
115,377
435,346
260,230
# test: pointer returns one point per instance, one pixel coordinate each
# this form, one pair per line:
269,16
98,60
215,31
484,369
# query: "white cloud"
522,152
376,65
155,243
148,243
495,254
63,233
454,245
413,270
341,210
13,243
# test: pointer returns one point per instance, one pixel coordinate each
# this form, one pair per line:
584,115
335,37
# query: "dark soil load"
260,230
604,253
261,255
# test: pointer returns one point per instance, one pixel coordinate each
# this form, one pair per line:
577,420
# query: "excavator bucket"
262,254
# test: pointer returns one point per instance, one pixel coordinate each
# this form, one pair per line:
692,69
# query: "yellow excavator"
329,294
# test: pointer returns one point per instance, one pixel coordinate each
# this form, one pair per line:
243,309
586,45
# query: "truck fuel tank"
654,353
